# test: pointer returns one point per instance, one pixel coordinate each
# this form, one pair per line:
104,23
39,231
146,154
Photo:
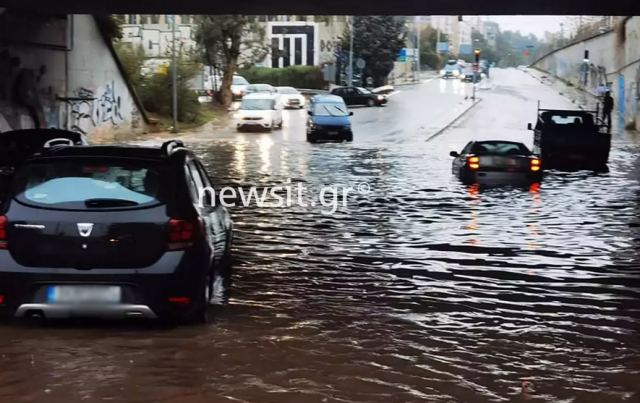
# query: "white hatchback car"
259,111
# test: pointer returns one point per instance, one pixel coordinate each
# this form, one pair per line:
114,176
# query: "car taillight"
3,232
182,233
535,164
473,162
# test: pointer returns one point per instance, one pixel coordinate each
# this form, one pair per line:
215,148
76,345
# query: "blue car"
329,119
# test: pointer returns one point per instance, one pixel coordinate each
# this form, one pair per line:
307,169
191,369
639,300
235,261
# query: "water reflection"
421,290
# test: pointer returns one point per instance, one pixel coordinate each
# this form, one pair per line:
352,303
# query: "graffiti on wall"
108,107
88,111
81,110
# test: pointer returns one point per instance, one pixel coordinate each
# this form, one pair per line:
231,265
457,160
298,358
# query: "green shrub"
293,76
157,96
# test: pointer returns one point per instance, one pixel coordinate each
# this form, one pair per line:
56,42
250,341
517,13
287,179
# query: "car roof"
260,95
108,151
328,99
261,85
498,141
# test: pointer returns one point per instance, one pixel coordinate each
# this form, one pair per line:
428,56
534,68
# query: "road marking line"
447,126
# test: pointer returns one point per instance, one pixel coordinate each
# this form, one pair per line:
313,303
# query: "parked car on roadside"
496,162
359,96
239,87
261,88
114,232
259,111
329,119
291,97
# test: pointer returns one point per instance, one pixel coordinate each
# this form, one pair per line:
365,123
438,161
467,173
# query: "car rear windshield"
237,80
87,184
500,148
287,90
257,104
330,109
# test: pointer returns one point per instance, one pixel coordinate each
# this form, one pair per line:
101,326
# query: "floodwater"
419,290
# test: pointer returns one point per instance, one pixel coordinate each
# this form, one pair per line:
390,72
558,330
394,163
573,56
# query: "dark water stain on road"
420,290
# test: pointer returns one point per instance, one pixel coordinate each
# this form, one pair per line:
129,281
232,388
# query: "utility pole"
418,49
350,75
174,75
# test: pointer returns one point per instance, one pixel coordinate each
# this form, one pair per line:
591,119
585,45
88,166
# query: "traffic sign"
443,47
403,55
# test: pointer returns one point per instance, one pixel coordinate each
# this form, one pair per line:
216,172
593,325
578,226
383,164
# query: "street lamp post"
174,74
350,75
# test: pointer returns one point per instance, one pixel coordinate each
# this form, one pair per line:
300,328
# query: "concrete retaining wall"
614,60
60,72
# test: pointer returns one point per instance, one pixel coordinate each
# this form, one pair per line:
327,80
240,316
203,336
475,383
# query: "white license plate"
83,294
332,133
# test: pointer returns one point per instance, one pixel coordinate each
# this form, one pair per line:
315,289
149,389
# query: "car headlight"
380,98
462,76
456,72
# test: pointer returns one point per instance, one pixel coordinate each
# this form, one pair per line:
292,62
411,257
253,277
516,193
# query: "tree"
378,41
428,47
223,39
132,59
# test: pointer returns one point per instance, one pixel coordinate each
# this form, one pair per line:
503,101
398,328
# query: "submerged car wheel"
348,137
311,138
199,313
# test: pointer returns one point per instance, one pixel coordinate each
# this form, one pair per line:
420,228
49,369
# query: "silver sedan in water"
496,162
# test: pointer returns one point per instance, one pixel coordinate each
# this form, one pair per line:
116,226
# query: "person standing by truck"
607,108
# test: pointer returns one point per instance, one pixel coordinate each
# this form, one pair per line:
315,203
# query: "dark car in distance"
496,162
359,96
329,119
113,232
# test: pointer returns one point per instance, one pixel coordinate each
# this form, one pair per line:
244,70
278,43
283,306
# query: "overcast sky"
528,24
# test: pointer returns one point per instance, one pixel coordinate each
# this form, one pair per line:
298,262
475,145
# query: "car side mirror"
310,113
351,113
529,126
454,154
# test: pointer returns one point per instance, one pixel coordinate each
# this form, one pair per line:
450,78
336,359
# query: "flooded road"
420,290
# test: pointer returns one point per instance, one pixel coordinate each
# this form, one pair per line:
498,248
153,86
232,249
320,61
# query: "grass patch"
206,113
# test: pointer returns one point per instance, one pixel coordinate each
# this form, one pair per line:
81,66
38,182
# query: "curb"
456,119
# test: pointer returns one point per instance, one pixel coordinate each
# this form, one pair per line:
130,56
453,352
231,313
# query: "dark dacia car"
359,96
109,231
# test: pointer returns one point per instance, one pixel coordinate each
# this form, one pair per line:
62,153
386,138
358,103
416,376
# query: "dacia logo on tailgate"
85,229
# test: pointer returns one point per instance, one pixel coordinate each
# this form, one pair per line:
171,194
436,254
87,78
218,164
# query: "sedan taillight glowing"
535,164
473,162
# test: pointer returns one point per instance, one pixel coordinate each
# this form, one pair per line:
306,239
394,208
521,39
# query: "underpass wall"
61,72
614,60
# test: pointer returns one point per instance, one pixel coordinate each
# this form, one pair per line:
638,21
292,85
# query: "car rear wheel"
199,313
348,137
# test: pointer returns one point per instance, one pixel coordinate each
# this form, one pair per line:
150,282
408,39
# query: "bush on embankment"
310,77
